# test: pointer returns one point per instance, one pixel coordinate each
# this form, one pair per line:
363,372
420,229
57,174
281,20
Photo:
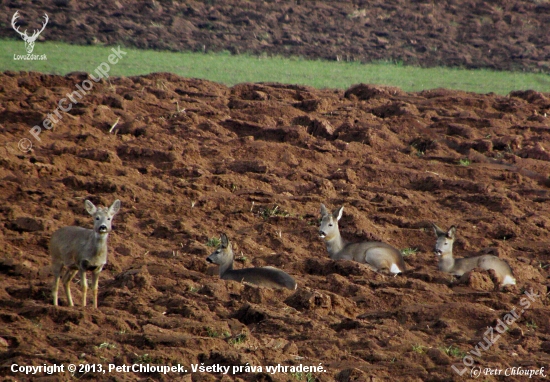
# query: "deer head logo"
29,40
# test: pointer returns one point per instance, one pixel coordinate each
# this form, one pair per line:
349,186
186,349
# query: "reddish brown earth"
504,34
190,159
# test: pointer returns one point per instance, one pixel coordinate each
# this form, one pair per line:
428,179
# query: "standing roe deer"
379,256
80,249
268,277
457,267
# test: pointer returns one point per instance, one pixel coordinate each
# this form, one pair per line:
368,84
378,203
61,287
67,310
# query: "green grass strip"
232,69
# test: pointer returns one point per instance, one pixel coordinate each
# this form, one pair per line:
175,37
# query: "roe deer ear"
324,210
337,214
451,233
438,231
224,240
90,207
115,207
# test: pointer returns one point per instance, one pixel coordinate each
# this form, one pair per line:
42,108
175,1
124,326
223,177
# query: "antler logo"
29,40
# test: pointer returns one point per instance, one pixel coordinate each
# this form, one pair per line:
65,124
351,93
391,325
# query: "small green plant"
36,323
207,25
238,339
464,162
193,289
145,358
409,251
531,325
299,376
213,242
242,259
263,36
418,151
357,13
211,332
418,348
267,212
106,345
453,351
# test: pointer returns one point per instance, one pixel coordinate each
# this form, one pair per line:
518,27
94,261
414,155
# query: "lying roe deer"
80,249
457,267
268,277
379,256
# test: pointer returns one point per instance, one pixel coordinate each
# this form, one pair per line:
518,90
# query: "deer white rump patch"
509,280
395,269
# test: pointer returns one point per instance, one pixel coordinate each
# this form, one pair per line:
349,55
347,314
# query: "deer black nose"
102,228
209,259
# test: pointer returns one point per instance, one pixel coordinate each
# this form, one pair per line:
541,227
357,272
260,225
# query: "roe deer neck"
335,243
228,265
444,248
446,262
99,243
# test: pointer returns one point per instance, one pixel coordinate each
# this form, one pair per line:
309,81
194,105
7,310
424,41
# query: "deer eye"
97,218
330,225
